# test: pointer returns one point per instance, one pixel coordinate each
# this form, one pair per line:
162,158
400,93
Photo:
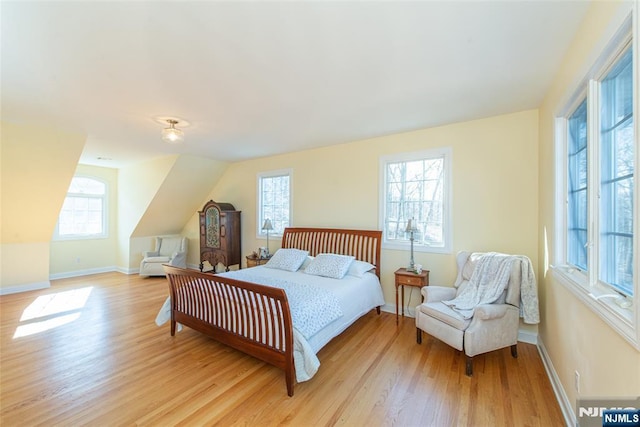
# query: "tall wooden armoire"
219,235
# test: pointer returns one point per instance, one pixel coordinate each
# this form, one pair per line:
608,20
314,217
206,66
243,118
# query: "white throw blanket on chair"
488,280
529,309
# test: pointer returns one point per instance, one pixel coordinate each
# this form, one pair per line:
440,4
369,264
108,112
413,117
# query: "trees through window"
274,201
83,213
416,188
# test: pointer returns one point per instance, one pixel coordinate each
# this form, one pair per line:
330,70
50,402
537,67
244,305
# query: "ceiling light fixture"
172,135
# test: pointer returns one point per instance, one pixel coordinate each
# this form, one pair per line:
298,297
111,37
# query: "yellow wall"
37,166
495,179
575,338
146,199
137,185
87,256
180,194
157,198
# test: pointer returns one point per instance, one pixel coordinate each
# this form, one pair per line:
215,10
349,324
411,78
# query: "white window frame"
260,234
447,154
105,213
622,314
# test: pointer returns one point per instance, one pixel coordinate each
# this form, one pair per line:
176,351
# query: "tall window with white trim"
416,186
83,213
617,170
598,150
577,187
274,201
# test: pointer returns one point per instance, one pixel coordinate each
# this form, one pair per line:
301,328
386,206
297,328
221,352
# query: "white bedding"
311,307
356,296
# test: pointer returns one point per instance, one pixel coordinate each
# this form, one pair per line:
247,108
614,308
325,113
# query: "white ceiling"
260,78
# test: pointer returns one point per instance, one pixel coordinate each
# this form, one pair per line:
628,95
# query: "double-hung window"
597,151
577,187
84,212
416,186
617,147
274,201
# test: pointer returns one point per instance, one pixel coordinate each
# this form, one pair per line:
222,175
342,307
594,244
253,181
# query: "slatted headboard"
364,245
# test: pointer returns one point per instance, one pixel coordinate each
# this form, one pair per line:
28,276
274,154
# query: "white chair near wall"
493,325
169,250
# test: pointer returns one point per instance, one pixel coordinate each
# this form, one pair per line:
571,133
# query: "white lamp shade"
267,225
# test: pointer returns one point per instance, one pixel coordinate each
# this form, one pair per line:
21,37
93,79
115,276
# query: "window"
597,150
274,201
83,213
416,186
577,187
617,167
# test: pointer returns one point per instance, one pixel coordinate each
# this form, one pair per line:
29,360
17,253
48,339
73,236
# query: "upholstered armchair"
169,250
485,327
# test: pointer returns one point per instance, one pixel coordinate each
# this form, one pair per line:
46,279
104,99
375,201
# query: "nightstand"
253,261
408,278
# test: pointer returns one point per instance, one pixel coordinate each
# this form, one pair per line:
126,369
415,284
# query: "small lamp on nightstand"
267,226
411,228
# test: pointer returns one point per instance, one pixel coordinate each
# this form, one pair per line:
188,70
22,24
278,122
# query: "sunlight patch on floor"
51,311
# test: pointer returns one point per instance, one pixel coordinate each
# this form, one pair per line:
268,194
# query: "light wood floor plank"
112,365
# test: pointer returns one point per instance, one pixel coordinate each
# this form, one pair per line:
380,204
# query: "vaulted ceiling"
261,78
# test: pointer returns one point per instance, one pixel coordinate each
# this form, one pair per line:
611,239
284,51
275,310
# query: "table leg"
397,308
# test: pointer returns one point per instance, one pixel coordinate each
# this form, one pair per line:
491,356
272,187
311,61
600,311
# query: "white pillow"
330,265
358,268
306,262
287,259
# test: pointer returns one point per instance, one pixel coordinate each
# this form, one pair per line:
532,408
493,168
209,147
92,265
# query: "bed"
267,312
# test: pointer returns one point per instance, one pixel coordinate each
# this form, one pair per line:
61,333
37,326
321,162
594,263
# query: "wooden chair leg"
469,366
514,351
419,335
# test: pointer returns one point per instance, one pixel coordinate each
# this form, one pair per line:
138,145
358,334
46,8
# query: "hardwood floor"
103,361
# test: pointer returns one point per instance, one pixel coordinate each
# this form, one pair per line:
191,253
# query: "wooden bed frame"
252,318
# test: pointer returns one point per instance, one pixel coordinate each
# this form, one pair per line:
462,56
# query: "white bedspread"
312,307
355,297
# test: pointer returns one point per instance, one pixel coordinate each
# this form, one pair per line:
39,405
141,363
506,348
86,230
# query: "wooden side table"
409,278
253,261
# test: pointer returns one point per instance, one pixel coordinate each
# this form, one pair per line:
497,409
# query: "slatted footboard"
252,318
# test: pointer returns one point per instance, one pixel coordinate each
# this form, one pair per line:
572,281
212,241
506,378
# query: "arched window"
84,212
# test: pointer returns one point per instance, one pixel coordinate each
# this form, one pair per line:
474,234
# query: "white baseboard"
388,308
128,270
561,396
78,273
528,337
87,272
25,288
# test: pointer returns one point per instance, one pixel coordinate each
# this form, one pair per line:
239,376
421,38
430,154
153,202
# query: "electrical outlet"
577,381
78,260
